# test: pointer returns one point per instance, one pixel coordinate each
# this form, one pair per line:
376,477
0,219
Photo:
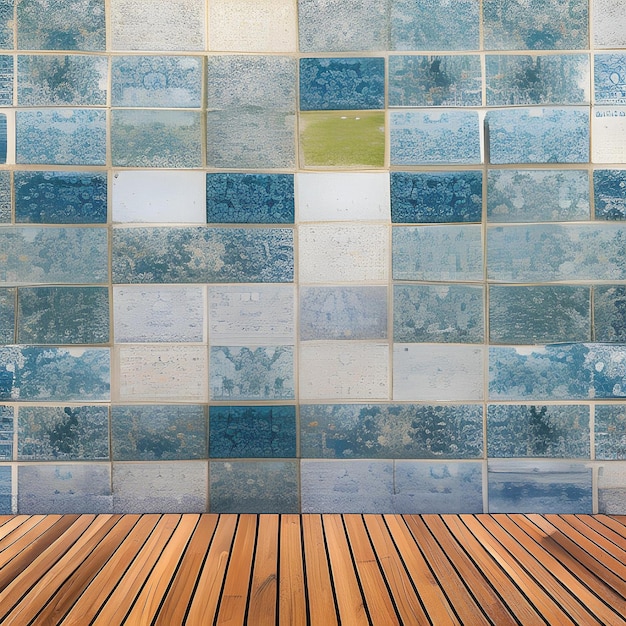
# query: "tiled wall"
313,255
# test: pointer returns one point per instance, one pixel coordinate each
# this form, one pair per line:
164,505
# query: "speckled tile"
6,24
6,75
539,314
435,80
610,432
609,23
391,431
253,487
342,83
343,313
63,315
60,197
521,430
159,313
436,197
60,80
609,313
60,25
609,187
448,253
611,490
3,138
435,24
202,255
608,127
61,136
70,433
437,372
7,315
6,499
7,426
438,313
5,197
161,432
609,78
539,487
538,135
537,195
252,431
144,138
250,198
54,255
251,372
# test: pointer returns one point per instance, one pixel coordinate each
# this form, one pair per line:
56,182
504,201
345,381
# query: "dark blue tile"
3,138
609,187
7,315
610,431
7,425
6,76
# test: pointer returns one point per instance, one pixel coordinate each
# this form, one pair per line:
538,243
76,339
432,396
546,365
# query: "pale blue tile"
609,23
61,137
450,253
605,363
7,425
6,75
71,433
6,24
343,313
253,487
156,81
6,499
611,490
5,197
59,80
609,313
539,314
609,187
537,195
434,137
610,432
548,135
7,315
609,78
435,24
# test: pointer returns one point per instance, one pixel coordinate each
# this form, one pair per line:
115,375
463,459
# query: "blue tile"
535,24
436,197
253,487
156,81
438,313
344,83
60,197
6,24
6,499
61,137
250,198
3,138
539,314
609,187
251,373
58,80
63,315
5,197
54,255
549,135
434,137
537,79
7,315
435,25
202,255
158,432
435,80
609,313
71,433
6,76
391,431
609,78
610,432
7,425
537,195
343,313
450,253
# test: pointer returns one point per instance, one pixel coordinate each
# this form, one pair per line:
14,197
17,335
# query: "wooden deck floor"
312,569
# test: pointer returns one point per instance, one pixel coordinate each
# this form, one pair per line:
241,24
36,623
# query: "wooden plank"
613,524
264,586
319,588
15,527
608,534
24,535
292,608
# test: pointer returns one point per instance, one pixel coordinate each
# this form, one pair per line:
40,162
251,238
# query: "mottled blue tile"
438,488
158,432
54,255
3,138
6,499
7,425
542,135
342,83
435,25
436,197
60,197
610,431
539,314
251,373
54,374
5,197
7,315
202,255
609,194
609,313
6,76
63,315
539,487
250,198
61,137
451,253
61,25
391,431
253,487
537,195
6,24
64,489
438,313
156,81
59,80
535,24
343,312
144,138
71,433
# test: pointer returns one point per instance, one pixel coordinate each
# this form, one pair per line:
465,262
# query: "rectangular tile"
609,194
608,126
609,80
609,315
7,427
7,315
3,138
6,72
6,487
609,23
6,24
5,197
611,491
610,432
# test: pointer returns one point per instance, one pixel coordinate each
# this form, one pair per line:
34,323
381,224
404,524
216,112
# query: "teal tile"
609,194
5,197
7,315
610,432
6,75
7,425
6,490
6,24
609,313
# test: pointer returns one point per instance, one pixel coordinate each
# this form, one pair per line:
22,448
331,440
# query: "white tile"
608,135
